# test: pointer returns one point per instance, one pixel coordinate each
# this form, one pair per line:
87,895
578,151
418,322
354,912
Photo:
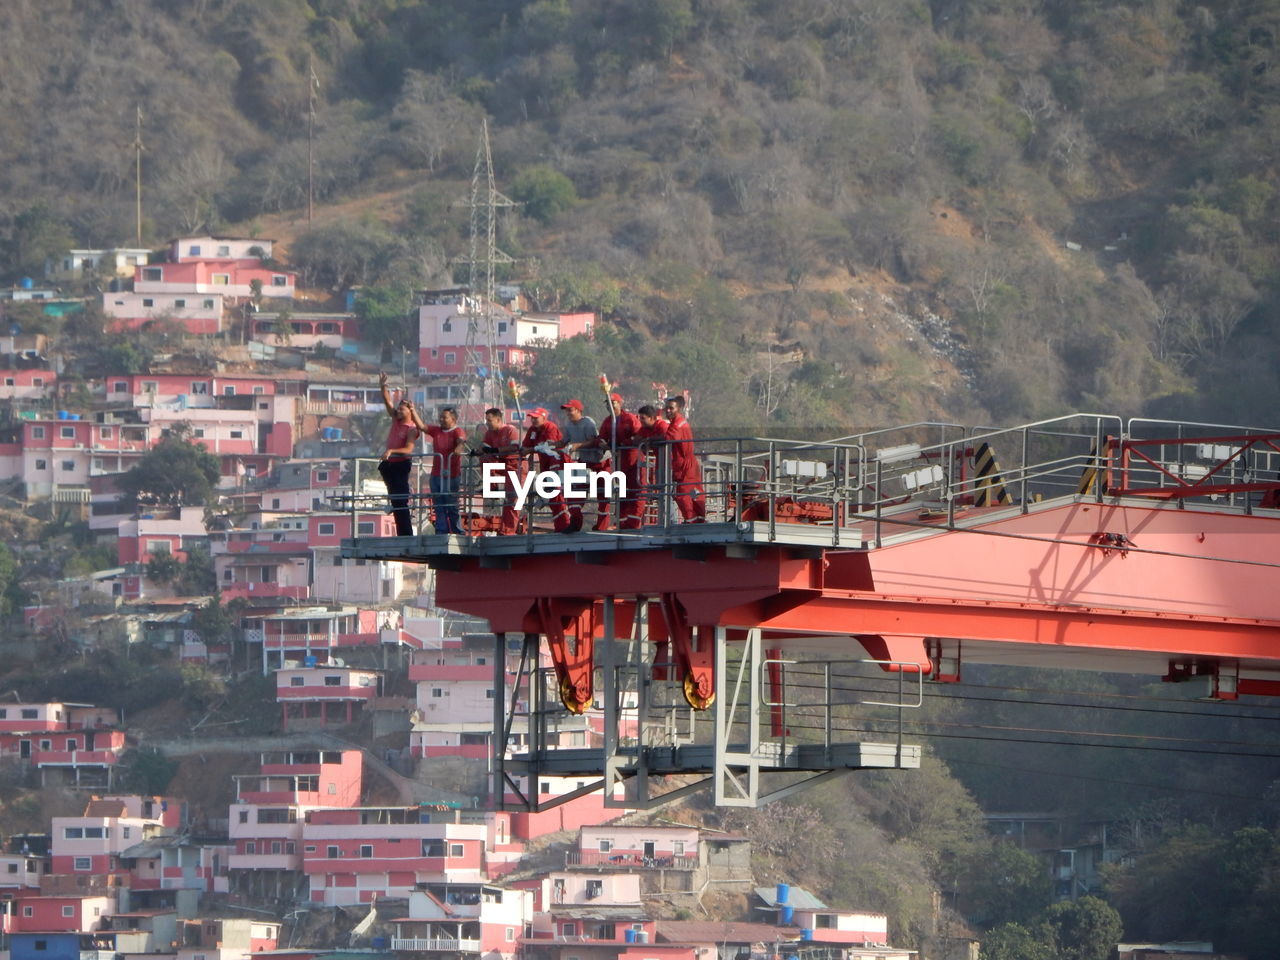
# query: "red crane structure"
1137,546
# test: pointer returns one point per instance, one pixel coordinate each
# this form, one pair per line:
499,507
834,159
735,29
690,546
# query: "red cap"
537,412
616,396
571,405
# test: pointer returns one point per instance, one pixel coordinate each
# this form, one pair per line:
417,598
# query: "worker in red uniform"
500,435
447,439
396,461
618,434
686,471
541,438
651,441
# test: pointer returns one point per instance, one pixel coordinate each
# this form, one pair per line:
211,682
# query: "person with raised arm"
397,456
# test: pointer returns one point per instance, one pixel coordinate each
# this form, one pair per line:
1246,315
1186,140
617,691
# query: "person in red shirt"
618,434
397,457
650,438
447,439
686,471
500,435
541,438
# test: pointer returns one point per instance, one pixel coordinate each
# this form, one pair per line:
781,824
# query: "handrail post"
1026,443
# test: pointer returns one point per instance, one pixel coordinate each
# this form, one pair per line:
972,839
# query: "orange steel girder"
1088,578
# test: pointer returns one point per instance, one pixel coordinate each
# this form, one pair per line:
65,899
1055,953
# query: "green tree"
1013,941
147,771
1003,884
37,235
1084,929
384,313
544,192
175,472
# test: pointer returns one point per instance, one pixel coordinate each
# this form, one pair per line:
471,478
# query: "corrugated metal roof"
798,897
712,931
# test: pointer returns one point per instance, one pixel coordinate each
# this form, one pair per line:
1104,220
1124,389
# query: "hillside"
756,176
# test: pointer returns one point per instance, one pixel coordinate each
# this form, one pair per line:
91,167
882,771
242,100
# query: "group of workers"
634,444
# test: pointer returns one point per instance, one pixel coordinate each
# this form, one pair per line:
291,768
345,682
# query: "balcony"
460,946
594,859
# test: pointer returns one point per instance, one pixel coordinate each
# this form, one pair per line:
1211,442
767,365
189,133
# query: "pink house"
266,821
172,862
27,384
225,938
140,538
593,915
350,856
323,696
626,845
483,922
195,313
60,914
307,330
91,843
74,739
442,333
231,278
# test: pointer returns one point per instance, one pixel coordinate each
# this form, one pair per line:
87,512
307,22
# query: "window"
437,692
251,847
72,833
26,912
208,304
677,848
325,530
220,279
42,465
333,681
309,848
259,391
322,476
288,847
71,745
229,390
244,816
568,929
333,853
279,280
13,868
82,864
37,381
152,273
105,433
94,833
67,433
365,528
366,850
8,381
502,326
224,251
456,850
433,848
150,386
502,356
277,846
511,934
296,681
488,694
148,302
337,560
237,434
120,386
68,911
37,433
68,465
198,432
179,303
446,327
326,327
29,713
193,250
595,888
606,846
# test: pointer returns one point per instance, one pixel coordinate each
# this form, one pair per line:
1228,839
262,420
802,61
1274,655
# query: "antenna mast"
313,84
137,174
485,256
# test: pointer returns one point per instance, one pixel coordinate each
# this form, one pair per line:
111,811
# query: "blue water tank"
380,943
62,414
784,892
26,283
806,933
337,433
629,936
786,914
326,433
309,661
73,416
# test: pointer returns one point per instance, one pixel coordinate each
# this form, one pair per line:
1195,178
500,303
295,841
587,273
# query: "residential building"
225,938
314,634
76,743
78,264
27,384
591,917
231,278
256,249
467,923
92,843
306,331
792,905
266,821
324,696
194,313
616,845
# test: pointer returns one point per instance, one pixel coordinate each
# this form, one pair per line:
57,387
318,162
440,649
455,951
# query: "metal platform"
1082,541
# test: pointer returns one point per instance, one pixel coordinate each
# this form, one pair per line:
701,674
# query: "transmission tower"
480,350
